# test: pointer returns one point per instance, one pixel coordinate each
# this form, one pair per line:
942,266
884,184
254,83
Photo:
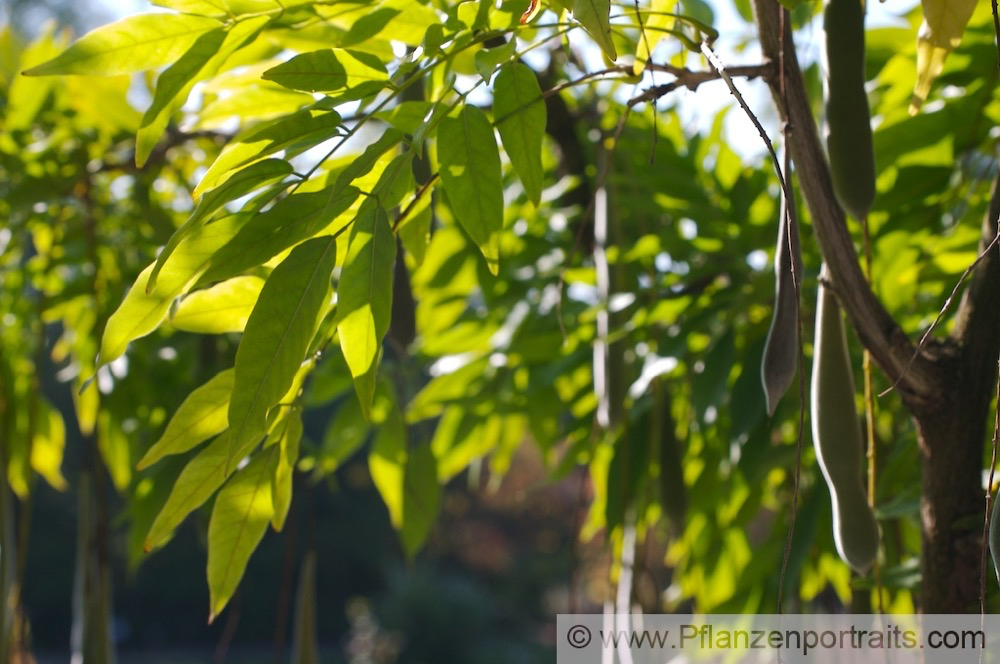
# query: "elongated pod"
838,439
848,119
781,350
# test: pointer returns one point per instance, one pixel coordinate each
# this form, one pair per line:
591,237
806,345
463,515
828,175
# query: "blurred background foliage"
497,372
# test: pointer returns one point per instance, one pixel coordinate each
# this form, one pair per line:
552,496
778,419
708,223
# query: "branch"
978,316
687,78
878,331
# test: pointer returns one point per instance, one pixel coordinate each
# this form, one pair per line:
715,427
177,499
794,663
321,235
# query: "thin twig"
944,310
416,198
687,78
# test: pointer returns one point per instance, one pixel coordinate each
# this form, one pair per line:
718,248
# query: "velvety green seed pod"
781,351
848,118
838,439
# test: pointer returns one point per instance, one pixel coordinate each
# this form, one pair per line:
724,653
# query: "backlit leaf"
222,308
331,70
364,298
240,184
940,33
303,129
520,114
142,311
136,43
594,16
115,450
277,337
240,516
47,445
290,221
199,62
470,173
288,454
202,475
200,416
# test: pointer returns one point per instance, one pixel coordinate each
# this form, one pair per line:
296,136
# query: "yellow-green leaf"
289,221
331,70
941,32
421,498
200,416
364,298
205,57
136,43
240,184
225,307
470,173
288,455
277,337
115,450
202,475
520,115
240,516
594,16
387,461
655,21
303,130
143,311
48,444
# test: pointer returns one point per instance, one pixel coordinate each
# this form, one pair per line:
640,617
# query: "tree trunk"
951,502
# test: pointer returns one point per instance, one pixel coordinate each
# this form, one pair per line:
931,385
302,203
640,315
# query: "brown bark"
947,389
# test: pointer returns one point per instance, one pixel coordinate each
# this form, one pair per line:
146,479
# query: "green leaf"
222,308
520,114
488,59
421,498
654,23
415,231
942,29
240,184
303,130
47,445
387,460
200,416
594,16
364,298
290,221
202,475
347,431
115,450
202,7
143,311
261,102
470,173
331,70
240,516
277,337
367,160
291,436
136,43
202,60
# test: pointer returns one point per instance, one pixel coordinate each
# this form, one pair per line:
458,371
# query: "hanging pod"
838,439
848,119
781,350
